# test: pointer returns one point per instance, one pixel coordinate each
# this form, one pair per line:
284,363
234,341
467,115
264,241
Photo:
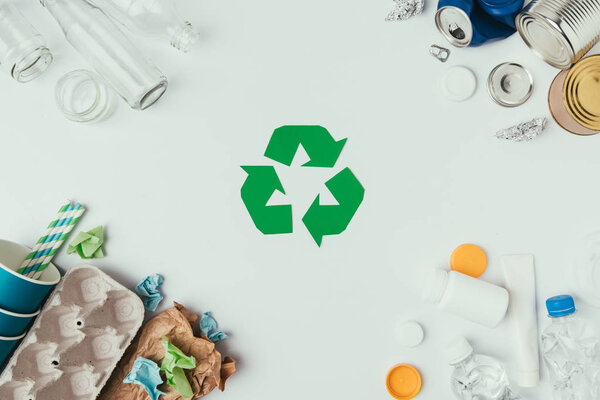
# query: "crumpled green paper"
173,364
88,244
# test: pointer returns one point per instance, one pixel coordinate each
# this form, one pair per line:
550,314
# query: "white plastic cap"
458,350
409,333
528,378
435,285
458,83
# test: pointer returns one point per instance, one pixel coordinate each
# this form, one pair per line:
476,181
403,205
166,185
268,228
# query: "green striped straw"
45,237
47,246
78,212
61,236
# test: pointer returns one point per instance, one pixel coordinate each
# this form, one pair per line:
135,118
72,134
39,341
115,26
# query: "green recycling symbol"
323,151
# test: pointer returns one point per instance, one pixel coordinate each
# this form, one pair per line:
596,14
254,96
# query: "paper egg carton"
77,340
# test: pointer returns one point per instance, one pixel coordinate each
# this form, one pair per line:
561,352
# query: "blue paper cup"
19,293
7,345
14,324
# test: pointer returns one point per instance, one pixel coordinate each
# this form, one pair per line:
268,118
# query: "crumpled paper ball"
88,244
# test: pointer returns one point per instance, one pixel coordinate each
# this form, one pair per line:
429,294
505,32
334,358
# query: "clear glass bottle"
570,350
476,376
23,51
151,17
109,51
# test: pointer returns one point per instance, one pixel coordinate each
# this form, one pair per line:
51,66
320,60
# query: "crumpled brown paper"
176,324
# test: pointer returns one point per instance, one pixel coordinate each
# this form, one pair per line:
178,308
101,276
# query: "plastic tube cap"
403,382
528,378
458,350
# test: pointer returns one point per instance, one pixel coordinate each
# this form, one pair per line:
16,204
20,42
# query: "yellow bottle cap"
403,382
468,259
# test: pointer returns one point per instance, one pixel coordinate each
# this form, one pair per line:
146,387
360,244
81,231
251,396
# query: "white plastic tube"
519,273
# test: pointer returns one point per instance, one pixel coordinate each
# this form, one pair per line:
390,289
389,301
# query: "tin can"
581,92
560,31
465,23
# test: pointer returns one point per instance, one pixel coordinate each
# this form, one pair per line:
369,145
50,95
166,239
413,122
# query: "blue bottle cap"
560,306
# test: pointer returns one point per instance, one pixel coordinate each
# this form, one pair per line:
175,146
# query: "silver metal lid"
455,25
510,84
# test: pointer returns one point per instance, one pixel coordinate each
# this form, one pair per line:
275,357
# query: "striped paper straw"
50,240
59,216
37,272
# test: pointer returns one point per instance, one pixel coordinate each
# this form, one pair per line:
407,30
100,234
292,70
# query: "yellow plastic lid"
468,259
403,382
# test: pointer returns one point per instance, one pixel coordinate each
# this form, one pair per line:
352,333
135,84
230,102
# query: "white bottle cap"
435,285
458,350
409,333
458,83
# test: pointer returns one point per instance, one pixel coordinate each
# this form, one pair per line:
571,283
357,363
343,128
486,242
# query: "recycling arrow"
323,220
261,183
318,143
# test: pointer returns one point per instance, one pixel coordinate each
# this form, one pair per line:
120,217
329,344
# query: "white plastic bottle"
467,297
570,350
475,376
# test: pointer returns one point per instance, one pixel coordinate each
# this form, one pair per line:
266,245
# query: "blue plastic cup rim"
13,338
14,314
26,278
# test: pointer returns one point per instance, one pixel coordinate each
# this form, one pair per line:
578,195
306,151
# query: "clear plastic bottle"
475,376
108,50
151,17
23,51
570,350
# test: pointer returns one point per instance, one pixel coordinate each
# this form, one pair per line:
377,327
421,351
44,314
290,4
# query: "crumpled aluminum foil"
405,9
523,132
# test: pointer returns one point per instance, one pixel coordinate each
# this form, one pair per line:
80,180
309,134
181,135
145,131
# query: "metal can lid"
558,109
455,25
510,84
581,92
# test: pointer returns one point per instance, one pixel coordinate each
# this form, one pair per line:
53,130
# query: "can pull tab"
439,52
456,31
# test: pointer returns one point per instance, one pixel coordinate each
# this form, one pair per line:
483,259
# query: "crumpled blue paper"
146,374
148,290
208,326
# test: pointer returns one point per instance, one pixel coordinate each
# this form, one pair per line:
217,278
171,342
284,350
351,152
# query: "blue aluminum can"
465,23
505,11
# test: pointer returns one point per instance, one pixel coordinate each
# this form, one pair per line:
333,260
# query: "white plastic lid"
458,350
409,333
458,83
435,285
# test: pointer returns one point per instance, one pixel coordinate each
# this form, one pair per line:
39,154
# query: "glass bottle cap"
82,96
510,84
556,103
582,92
